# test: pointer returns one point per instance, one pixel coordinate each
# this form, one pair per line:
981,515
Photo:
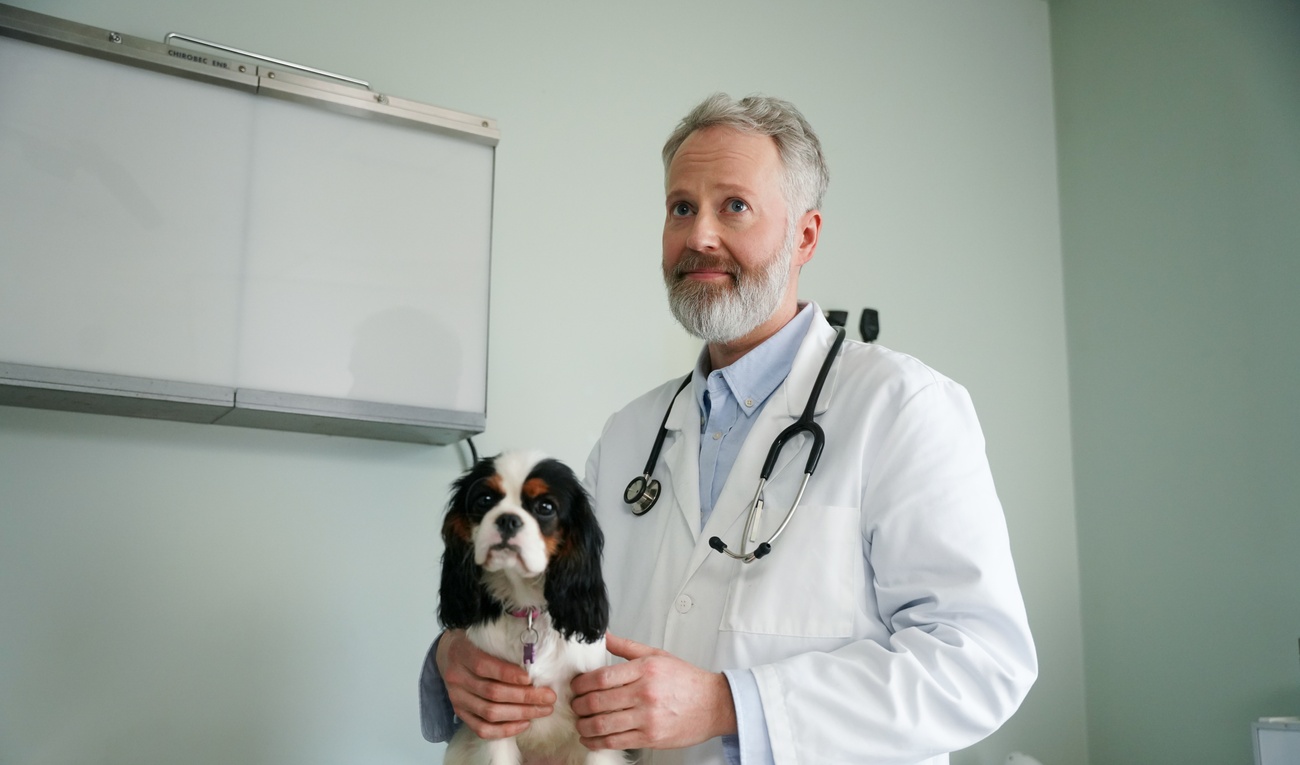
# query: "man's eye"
544,507
736,206
681,209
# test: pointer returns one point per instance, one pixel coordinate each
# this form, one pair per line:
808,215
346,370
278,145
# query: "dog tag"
530,637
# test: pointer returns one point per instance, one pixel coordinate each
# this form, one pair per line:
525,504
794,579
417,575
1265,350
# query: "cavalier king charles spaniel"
521,574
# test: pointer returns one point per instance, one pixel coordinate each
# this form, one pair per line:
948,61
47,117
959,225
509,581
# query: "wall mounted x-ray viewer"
198,233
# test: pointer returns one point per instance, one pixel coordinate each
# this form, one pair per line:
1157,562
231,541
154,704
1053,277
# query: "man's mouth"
698,267
706,275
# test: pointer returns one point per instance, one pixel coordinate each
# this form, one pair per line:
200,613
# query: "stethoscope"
642,492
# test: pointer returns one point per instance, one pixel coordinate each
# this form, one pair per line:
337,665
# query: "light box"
203,238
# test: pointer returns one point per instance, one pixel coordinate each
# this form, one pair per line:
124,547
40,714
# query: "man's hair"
805,175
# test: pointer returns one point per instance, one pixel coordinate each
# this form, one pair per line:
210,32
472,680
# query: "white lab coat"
887,625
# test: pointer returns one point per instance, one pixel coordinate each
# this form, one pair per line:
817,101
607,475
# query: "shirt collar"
754,376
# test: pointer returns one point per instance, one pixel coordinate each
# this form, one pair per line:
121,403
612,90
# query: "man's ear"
808,230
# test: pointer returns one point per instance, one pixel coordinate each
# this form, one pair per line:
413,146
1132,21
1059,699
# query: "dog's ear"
575,589
462,600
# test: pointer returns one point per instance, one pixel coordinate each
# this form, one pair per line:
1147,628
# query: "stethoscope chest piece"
641,493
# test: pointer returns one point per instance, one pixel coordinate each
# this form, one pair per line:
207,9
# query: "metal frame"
98,393
1287,725
277,62
263,74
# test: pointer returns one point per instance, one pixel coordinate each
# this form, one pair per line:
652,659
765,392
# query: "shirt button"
717,435
749,402
684,603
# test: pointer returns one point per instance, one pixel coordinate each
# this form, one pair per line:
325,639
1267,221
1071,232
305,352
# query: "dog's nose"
508,524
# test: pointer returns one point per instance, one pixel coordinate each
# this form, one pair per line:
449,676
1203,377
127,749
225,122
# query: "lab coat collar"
807,363
681,458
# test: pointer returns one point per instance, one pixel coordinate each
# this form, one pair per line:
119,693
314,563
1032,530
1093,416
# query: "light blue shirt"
729,400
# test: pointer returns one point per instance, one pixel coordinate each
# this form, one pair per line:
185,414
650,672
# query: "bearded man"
886,624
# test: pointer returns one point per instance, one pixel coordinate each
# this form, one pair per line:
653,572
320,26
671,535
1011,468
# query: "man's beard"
722,313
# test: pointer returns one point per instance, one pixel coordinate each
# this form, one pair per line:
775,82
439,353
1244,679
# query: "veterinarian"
885,624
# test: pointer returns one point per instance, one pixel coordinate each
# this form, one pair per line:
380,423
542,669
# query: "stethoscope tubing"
663,429
642,493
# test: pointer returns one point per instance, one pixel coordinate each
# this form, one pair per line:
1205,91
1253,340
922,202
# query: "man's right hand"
495,698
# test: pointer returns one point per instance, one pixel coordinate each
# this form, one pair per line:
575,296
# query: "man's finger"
490,711
628,649
505,693
603,679
492,668
485,665
614,696
612,730
606,724
489,730
616,730
496,714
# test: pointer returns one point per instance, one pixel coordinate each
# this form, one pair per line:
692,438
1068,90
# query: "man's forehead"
726,156
726,140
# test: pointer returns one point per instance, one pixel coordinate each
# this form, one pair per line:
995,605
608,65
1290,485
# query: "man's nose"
508,525
703,236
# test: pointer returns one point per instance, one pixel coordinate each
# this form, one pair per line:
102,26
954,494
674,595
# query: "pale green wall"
1179,129
203,594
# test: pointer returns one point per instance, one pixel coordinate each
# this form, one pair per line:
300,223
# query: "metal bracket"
228,49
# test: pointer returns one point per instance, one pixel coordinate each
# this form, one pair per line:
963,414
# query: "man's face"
727,236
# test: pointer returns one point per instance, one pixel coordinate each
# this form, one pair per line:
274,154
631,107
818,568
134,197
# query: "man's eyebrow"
726,188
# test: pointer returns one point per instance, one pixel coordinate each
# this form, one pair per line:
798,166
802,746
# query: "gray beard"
727,312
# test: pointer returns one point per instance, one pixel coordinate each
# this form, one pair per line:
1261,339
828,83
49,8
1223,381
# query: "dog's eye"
483,501
544,507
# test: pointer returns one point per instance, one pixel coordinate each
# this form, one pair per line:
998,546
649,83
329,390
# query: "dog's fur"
520,534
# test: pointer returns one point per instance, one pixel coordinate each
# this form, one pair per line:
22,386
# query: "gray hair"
805,178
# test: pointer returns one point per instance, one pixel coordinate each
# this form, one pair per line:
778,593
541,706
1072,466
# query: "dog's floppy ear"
462,601
575,589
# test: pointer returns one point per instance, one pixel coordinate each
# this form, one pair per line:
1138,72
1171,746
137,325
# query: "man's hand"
654,701
495,698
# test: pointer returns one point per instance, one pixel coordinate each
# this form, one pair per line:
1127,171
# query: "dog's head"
520,533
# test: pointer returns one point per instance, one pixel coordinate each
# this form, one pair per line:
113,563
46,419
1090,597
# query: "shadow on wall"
404,356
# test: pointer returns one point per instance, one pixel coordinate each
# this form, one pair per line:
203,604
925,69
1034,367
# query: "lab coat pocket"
809,585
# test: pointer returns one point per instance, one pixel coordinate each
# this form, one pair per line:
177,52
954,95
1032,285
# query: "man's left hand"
654,700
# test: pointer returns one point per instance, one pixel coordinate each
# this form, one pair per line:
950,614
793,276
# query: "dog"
521,574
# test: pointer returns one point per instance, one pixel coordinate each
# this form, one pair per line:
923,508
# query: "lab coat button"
684,603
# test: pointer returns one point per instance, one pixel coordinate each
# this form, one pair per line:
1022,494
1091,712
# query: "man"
886,624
